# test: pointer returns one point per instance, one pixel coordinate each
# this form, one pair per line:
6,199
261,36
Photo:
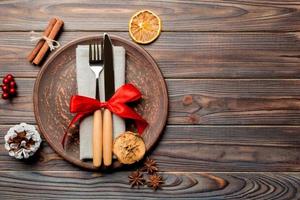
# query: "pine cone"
22,141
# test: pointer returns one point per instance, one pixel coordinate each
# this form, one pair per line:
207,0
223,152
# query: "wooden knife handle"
107,137
97,138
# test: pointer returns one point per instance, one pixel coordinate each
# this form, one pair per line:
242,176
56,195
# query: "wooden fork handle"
97,138
107,137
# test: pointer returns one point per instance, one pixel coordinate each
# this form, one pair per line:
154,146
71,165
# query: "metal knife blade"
109,79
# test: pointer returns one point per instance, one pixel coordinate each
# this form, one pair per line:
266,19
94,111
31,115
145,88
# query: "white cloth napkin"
86,84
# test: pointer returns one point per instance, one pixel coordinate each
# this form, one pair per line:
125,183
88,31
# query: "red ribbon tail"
74,120
141,125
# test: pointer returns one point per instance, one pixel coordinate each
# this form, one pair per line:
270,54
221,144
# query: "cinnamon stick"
39,57
39,45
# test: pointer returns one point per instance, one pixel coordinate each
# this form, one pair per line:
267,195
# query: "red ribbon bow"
85,106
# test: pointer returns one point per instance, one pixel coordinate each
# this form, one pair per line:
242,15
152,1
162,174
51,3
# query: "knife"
109,85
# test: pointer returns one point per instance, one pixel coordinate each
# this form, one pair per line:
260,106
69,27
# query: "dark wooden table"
233,75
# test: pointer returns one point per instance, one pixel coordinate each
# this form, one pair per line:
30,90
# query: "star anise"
136,179
155,181
150,166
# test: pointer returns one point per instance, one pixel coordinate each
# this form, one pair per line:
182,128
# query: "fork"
95,61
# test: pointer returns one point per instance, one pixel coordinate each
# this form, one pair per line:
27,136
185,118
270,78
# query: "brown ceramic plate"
56,83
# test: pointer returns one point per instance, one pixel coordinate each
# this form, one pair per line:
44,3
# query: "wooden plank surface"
233,75
83,185
177,15
187,55
200,101
189,149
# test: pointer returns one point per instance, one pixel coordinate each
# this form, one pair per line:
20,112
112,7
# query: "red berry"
5,96
5,88
10,77
5,81
12,84
12,91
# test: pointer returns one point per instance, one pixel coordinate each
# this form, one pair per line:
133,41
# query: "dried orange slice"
129,147
144,27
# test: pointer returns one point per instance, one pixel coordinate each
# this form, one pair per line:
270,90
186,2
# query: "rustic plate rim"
63,154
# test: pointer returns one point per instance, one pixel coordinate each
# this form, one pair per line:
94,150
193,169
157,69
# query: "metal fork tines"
96,61
95,54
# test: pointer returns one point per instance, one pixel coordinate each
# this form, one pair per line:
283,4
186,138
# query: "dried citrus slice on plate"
129,147
144,27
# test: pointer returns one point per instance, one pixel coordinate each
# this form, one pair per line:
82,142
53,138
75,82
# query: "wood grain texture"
239,102
233,76
176,15
84,185
201,101
187,55
196,148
